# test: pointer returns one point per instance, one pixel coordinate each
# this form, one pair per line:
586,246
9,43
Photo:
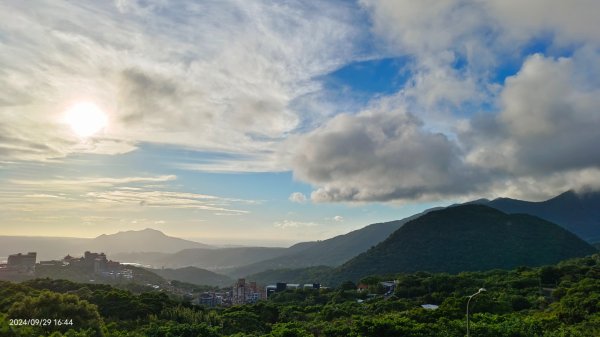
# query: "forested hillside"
467,238
576,212
550,301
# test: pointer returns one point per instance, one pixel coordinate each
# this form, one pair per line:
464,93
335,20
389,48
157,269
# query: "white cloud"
549,119
545,137
262,162
214,76
542,142
90,182
457,45
42,195
426,143
438,35
297,197
481,31
236,77
109,194
164,199
572,21
286,224
89,219
338,218
379,154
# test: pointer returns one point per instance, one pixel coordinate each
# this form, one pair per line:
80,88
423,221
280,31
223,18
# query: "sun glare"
86,119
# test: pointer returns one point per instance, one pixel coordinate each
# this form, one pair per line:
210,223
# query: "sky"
275,122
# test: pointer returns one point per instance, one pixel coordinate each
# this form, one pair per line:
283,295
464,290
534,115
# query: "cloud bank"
454,131
212,76
501,96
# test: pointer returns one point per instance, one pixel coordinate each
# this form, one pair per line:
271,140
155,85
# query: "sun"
86,119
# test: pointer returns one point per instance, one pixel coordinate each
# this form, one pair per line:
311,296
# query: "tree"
348,285
52,306
242,321
288,330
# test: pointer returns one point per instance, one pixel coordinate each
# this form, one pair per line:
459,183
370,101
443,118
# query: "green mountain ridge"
577,212
194,275
205,258
331,252
242,261
315,274
467,238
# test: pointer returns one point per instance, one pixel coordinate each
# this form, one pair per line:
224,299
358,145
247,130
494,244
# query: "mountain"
141,276
467,238
49,248
195,276
577,212
317,274
243,261
145,259
142,240
331,252
213,259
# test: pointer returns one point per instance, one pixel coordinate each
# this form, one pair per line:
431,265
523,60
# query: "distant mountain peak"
151,230
147,239
585,193
133,231
577,211
569,195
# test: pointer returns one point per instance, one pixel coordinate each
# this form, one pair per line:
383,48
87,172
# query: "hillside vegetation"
551,301
467,238
194,275
331,252
577,212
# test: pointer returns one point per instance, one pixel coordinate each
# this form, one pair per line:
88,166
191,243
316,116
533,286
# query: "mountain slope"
242,261
213,259
195,276
579,213
331,252
142,240
317,274
463,238
49,248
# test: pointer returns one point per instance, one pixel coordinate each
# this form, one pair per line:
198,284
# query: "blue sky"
270,123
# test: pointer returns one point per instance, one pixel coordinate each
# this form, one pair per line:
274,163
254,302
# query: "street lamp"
469,301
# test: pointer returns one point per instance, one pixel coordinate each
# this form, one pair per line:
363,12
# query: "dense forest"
555,300
466,238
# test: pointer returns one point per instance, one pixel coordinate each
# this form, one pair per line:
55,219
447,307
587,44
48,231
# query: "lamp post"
469,301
